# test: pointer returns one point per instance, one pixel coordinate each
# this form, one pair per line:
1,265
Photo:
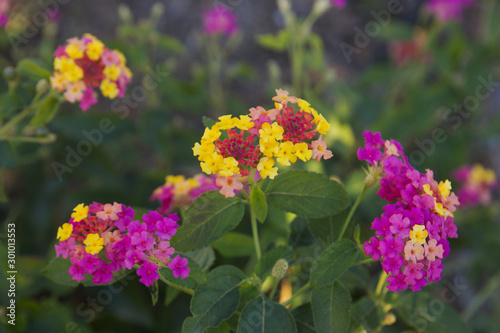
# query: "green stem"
255,232
304,288
362,262
47,139
186,290
380,283
14,121
481,297
275,287
351,212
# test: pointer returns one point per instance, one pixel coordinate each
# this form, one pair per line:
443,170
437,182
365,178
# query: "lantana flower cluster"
477,183
237,147
86,63
179,191
220,20
411,234
102,239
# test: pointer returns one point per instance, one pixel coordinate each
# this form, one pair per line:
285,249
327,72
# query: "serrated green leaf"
326,230
331,307
209,218
332,263
259,204
153,290
429,315
196,276
216,301
234,244
304,319
307,194
264,316
33,68
57,271
269,259
46,111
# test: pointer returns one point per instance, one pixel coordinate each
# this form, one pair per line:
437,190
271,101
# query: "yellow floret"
80,212
112,72
64,232
94,243
109,89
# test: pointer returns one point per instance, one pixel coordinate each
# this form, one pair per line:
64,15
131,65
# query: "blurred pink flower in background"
448,10
220,20
338,3
404,51
477,184
4,9
54,15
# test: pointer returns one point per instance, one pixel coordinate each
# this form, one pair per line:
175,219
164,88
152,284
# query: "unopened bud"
9,73
279,269
389,319
124,13
157,11
372,176
42,86
284,5
321,6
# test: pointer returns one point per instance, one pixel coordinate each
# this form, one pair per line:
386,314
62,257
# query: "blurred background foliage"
403,83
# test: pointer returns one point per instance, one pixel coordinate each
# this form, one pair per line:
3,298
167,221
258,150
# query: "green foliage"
46,111
209,217
331,308
266,263
278,42
258,204
263,315
430,315
332,263
234,244
306,194
216,301
196,276
33,68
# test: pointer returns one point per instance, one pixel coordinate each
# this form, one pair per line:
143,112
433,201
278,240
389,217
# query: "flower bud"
42,86
124,13
9,73
389,319
279,269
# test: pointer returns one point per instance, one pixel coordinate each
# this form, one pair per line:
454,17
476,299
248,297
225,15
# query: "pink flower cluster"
411,234
477,183
179,191
448,10
102,239
220,20
4,12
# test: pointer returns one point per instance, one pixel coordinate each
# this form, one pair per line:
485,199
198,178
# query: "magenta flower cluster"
102,239
411,234
220,20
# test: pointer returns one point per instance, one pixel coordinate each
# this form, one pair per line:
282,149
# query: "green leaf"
57,271
429,315
46,111
209,217
278,42
259,204
196,276
332,263
331,307
269,259
8,104
208,122
304,319
234,244
215,302
3,196
153,290
204,257
327,229
264,316
307,194
33,68
366,313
